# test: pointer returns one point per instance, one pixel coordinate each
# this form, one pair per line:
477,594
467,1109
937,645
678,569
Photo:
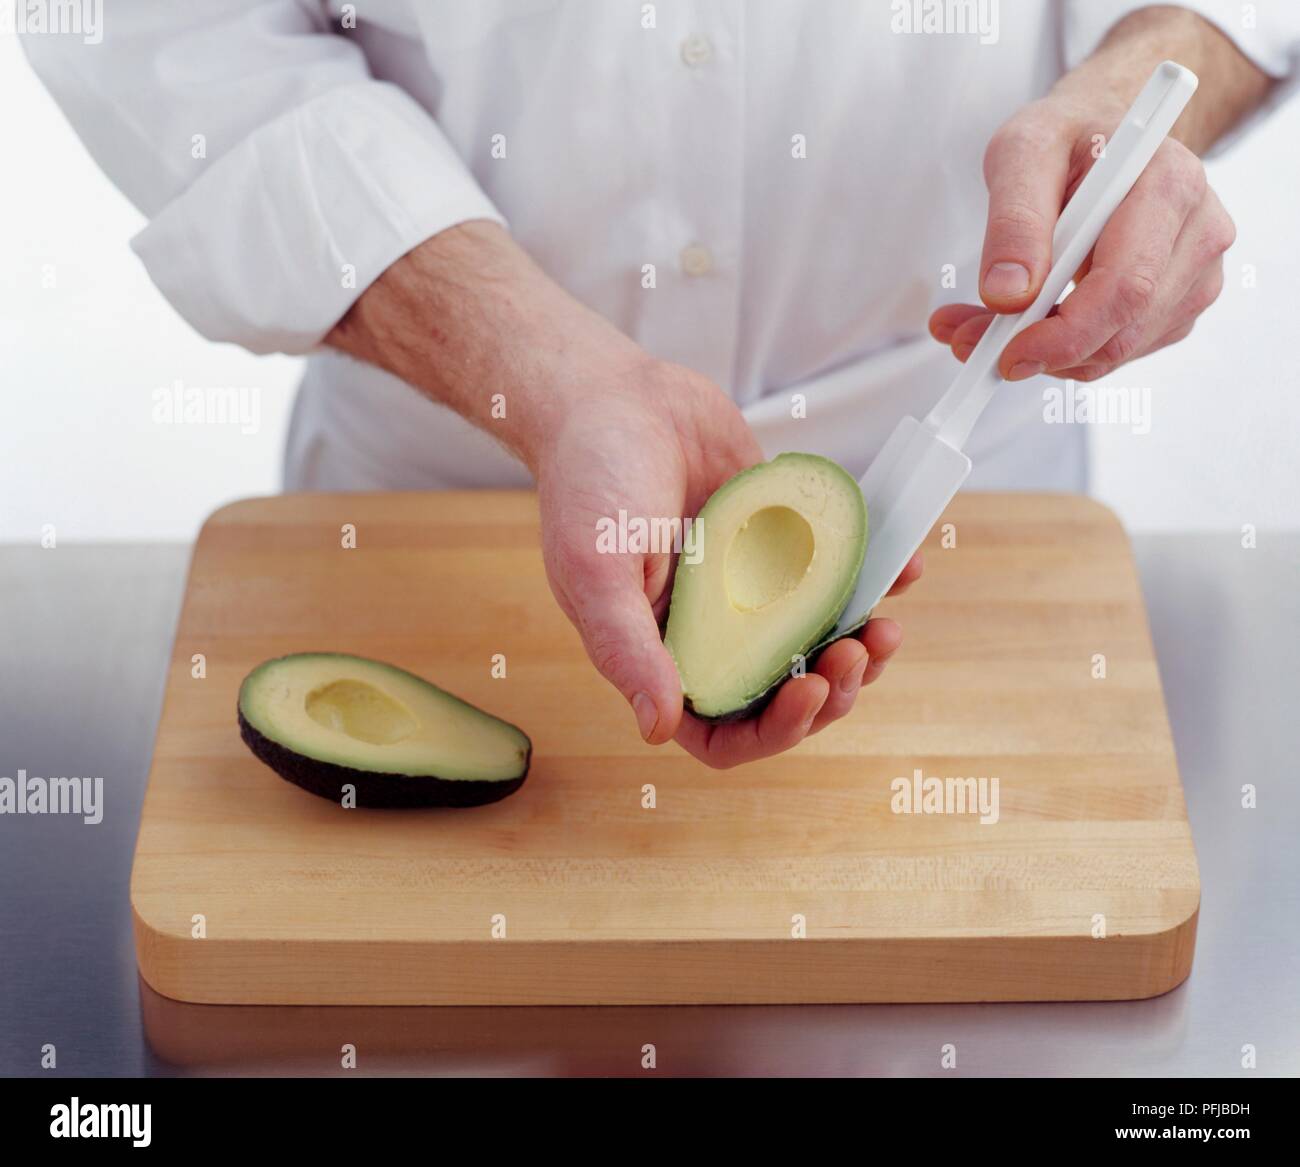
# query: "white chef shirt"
802,179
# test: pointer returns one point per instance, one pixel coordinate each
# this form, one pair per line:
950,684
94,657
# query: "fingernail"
1006,279
962,351
647,715
1025,369
853,678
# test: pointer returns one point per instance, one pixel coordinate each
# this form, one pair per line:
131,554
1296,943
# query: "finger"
1093,372
1128,266
782,725
657,572
1208,232
909,575
1026,167
621,636
1192,282
881,638
1081,373
728,447
1173,336
946,320
1184,317
967,336
842,664
1174,326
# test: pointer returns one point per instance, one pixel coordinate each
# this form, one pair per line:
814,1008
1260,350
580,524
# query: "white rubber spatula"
921,466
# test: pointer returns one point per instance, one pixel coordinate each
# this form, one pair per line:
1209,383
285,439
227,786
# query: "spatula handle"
1148,120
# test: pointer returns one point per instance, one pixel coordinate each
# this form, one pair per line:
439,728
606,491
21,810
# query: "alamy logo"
935,17
1074,404
921,795
181,404
102,1120
641,536
83,18
29,794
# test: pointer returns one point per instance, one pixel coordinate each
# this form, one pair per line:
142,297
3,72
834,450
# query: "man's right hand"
604,428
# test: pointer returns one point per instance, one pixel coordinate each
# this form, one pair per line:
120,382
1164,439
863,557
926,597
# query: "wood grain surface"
787,880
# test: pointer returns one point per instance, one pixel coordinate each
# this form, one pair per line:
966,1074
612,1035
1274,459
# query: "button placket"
699,180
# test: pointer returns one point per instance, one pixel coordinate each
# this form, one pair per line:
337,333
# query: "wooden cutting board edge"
692,972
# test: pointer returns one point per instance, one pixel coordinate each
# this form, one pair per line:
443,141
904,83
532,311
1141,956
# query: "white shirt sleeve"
280,178
1267,32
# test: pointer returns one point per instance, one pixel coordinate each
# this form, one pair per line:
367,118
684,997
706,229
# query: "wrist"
1098,91
471,321
565,357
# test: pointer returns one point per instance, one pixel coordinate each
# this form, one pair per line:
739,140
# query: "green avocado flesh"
324,721
783,544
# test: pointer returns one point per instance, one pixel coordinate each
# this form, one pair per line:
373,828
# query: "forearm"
1230,84
470,320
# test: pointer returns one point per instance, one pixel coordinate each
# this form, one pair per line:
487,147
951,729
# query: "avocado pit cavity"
769,557
361,711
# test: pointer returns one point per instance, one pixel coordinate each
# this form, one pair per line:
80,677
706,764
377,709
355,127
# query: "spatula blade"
907,486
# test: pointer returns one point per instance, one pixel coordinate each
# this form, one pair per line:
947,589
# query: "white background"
80,361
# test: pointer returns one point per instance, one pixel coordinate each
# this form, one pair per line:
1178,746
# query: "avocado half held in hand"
326,720
783,544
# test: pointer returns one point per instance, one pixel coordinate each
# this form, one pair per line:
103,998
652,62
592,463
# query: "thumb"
1026,169
621,636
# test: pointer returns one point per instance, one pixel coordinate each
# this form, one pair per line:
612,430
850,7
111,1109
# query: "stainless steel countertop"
84,640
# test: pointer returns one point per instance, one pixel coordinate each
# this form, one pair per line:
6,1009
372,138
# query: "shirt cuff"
1270,38
271,246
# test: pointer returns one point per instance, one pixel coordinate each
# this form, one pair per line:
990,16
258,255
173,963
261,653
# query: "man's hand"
468,316
656,440
1159,262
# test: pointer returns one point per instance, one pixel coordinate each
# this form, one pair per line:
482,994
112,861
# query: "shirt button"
697,51
697,260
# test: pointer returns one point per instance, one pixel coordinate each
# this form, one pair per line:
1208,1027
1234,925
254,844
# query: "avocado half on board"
782,546
324,721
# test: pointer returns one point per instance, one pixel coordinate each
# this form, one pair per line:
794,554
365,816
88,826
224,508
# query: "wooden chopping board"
622,873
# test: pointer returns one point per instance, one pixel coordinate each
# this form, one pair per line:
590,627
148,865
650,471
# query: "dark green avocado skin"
327,779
